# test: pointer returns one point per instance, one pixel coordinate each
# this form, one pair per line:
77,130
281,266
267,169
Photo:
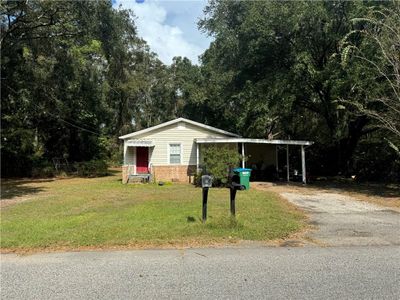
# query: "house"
171,151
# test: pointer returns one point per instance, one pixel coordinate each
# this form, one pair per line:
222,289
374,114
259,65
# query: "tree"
42,83
74,74
275,69
379,56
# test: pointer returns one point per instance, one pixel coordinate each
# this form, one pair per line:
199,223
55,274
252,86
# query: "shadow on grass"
19,187
368,189
113,171
373,189
190,219
13,188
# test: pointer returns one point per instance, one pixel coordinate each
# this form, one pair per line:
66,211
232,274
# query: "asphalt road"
368,272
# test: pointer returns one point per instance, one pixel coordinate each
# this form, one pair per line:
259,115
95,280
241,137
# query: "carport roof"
252,141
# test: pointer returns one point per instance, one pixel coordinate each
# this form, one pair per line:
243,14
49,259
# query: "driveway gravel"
343,221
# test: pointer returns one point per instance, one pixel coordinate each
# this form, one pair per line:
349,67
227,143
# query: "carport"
247,146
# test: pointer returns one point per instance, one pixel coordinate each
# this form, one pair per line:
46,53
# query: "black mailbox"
235,183
234,186
237,186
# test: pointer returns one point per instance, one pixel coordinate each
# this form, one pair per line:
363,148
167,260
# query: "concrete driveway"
341,220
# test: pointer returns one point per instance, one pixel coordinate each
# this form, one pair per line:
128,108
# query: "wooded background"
76,75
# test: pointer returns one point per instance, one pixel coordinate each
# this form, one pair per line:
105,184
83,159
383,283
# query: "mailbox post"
233,196
206,183
234,186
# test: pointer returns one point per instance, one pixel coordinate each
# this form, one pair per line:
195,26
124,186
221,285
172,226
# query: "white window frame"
168,153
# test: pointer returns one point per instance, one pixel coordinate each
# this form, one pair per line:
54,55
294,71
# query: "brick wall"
174,173
124,174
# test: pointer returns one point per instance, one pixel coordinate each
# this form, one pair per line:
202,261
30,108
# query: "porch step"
139,178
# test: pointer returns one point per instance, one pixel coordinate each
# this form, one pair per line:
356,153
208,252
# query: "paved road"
344,221
269,273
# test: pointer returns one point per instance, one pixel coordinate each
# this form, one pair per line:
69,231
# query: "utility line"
69,123
55,116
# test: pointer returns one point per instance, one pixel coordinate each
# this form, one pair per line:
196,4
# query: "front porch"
137,160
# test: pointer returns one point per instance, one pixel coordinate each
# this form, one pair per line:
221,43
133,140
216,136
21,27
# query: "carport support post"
287,163
243,155
197,158
303,164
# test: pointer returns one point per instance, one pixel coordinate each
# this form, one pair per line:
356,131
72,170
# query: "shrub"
218,160
110,151
92,168
43,172
197,179
42,169
376,162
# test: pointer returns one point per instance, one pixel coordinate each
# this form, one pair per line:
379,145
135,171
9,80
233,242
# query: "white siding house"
170,151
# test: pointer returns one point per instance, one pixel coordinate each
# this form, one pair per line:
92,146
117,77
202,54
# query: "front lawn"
102,212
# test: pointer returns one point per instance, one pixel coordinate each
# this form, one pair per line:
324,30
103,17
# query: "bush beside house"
218,160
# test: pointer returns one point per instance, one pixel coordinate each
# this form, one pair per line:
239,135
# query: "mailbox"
242,176
206,181
235,185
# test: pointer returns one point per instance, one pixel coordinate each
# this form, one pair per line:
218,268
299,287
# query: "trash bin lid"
241,170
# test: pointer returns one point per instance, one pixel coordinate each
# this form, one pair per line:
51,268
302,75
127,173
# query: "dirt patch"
14,191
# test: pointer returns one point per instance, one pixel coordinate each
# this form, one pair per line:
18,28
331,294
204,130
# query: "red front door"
142,160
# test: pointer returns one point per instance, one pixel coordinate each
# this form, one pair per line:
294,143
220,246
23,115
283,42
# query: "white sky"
170,27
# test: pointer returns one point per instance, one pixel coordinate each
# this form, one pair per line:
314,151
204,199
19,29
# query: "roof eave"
126,136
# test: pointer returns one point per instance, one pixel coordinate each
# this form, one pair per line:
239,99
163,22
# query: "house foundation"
174,173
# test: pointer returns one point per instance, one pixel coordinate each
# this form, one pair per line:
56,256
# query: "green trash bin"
244,176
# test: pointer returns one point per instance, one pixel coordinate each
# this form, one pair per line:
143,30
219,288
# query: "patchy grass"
103,213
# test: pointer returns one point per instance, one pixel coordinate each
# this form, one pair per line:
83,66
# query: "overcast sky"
170,27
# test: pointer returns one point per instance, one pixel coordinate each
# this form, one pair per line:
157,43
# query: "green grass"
101,212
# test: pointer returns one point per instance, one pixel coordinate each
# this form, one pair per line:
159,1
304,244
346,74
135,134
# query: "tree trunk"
348,145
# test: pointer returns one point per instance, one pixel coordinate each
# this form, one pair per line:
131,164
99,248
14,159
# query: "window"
175,153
